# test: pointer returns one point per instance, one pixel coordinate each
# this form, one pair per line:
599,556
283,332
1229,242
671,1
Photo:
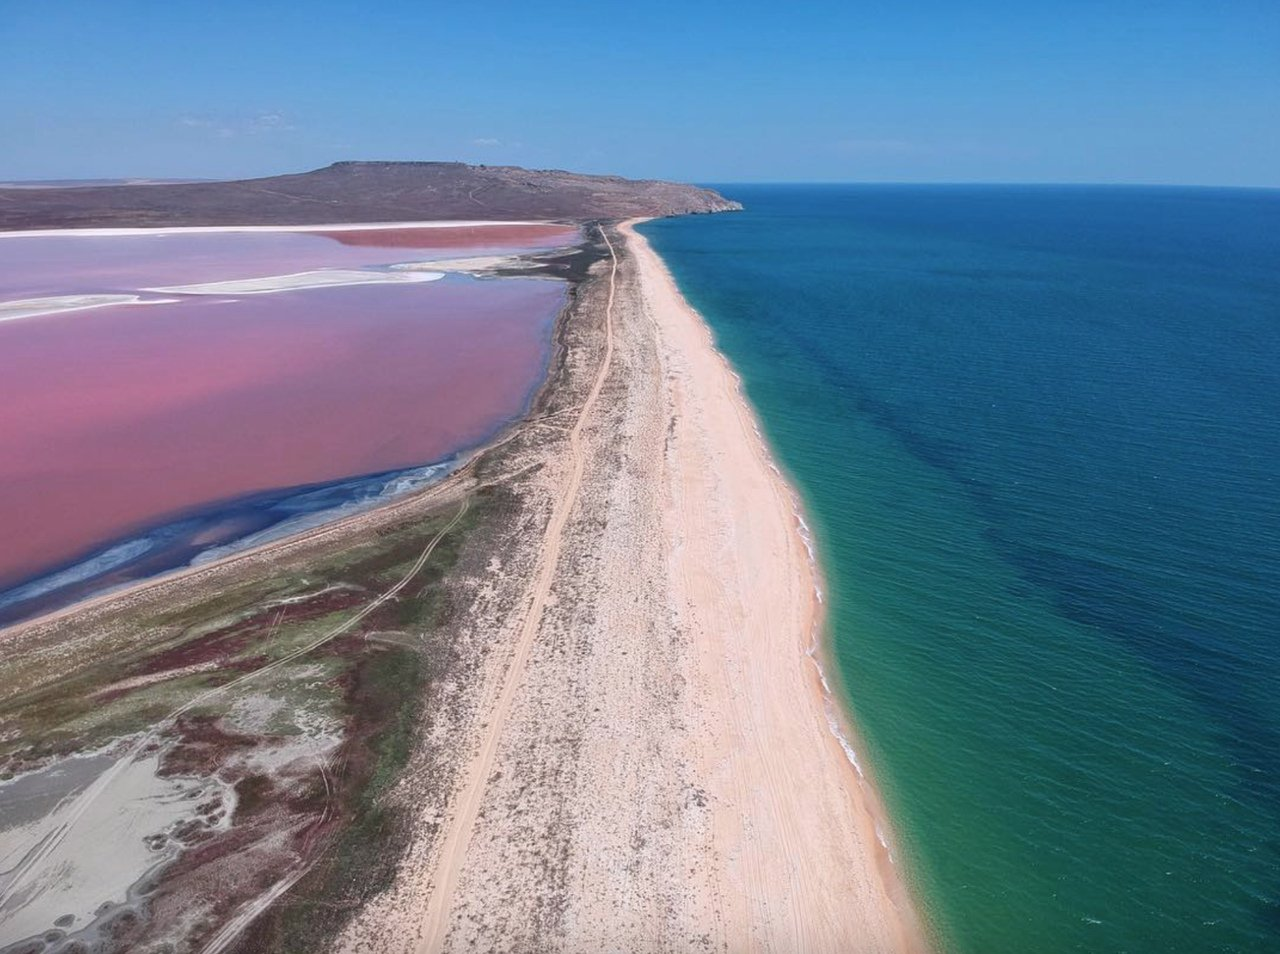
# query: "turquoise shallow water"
1038,432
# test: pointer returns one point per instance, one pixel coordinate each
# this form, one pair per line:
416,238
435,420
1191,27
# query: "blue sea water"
1038,432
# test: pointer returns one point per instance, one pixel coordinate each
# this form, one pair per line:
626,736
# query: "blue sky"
1116,91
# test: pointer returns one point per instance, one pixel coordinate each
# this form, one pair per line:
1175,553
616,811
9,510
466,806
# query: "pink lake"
116,419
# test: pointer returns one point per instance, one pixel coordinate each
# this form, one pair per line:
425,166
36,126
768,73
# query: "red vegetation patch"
460,236
204,746
218,647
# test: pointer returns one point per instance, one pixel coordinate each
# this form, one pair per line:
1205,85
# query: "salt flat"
299,281
58,304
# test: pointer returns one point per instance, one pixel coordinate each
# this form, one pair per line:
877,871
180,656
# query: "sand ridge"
60,304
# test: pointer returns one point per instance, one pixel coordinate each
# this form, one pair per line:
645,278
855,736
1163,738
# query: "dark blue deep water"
1038,433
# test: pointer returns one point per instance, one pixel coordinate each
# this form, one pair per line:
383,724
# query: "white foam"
833,723
104,562
884,841
397,486
829,707
832,712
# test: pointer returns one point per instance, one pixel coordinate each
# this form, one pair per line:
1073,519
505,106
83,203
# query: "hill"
358,192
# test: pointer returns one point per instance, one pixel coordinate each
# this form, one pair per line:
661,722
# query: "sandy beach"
795,832
649,764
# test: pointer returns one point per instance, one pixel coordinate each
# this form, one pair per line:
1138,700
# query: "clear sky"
1166,91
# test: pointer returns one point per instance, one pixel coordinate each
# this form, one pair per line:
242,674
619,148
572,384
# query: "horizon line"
1035,183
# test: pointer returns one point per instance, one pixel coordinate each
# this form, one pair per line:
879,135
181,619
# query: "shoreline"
817,649
820,651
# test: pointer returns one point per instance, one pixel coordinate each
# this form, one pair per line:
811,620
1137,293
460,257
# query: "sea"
1036,430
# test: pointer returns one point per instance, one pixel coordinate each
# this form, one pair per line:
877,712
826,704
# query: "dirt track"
453,853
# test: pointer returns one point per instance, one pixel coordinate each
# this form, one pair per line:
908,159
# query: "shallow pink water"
115,418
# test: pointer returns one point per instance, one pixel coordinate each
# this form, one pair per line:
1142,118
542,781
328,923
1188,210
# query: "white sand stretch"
298,281
474,264
795,861
36,307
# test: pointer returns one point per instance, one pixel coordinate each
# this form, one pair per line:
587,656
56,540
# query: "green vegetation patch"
384,700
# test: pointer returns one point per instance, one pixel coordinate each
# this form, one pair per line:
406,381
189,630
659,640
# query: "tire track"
434,926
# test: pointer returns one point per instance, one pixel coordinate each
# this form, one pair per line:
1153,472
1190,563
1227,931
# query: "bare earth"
647,763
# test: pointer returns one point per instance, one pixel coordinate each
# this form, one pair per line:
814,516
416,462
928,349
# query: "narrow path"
435,924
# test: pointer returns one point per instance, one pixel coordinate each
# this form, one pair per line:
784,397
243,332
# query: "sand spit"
58,304
299,281
645,762
795,827
475,265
